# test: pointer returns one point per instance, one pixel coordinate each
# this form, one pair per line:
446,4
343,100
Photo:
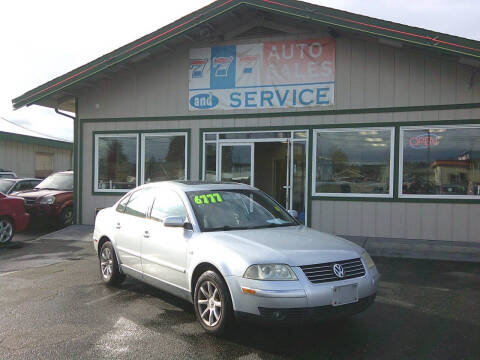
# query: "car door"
129,228
164,250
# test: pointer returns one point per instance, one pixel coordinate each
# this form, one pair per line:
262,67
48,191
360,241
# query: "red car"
12,217
51,200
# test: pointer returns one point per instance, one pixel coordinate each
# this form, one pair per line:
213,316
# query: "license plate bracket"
345,294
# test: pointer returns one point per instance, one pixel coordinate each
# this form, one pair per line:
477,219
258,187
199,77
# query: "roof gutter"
64,114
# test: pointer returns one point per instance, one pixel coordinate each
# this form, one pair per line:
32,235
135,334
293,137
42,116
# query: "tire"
212,303
109,270
66,217
7,230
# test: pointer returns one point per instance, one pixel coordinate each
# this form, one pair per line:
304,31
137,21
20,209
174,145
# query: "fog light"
278,315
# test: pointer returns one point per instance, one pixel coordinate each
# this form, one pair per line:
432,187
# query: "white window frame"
400,165
161,134
95,178
354,129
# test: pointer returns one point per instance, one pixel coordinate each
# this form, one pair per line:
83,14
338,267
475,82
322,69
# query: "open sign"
423,141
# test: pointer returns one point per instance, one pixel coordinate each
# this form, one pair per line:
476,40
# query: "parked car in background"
13,217
7,174
51,200
8,186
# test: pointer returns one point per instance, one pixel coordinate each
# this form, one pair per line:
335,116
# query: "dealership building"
367,128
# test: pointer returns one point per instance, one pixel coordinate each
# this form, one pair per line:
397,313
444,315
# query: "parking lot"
54,306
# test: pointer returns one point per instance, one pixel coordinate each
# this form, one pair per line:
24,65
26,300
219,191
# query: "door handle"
146,234
118,226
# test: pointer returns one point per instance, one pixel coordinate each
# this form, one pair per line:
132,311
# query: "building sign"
287,74
423,141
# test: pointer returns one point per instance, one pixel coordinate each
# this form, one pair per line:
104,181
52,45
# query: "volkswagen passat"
233,252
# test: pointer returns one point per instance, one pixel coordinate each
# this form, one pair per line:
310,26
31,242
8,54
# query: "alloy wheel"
6,230
68,217
209,303
106,263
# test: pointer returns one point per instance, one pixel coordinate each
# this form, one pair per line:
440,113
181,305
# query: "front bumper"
306,315
21,222
43,210
299,299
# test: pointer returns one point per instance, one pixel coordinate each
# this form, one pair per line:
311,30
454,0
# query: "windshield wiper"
226,228
272,225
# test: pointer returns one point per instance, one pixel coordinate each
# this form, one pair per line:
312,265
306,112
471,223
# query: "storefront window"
164,157
116,166
440,161
354,162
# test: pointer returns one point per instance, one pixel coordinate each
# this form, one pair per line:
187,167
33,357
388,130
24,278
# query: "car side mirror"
174,221
293,213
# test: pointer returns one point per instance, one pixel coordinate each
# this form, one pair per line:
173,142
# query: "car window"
167,203
35,183
237,209
18,186
5,185
123,203
22,185
58,181
139,203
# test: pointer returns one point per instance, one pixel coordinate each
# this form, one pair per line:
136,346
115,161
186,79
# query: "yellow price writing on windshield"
208,198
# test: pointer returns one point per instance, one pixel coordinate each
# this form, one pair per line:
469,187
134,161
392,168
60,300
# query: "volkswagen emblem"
338,270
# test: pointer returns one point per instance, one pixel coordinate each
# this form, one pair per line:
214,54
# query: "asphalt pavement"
54,306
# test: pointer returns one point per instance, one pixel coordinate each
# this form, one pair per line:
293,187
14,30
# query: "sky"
45,39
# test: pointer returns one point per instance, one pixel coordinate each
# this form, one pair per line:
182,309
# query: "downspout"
64,114
76,217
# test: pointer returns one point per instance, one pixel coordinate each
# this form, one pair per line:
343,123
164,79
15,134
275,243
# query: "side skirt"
159,284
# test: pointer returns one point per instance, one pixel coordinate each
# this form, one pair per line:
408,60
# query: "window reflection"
164,158
117,162
441,161
353,161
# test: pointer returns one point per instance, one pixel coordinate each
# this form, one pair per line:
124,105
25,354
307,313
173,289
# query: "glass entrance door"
236,163
275,162
298,178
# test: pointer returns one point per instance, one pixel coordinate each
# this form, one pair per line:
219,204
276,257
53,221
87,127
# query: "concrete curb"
419,249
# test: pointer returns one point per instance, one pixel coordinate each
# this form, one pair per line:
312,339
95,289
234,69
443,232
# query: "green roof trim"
6,136
308,12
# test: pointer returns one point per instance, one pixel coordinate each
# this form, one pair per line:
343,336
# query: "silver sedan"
234,252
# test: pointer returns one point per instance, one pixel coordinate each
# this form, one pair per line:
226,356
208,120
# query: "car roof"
200,185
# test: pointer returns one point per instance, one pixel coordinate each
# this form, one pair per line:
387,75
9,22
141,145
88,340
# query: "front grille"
30,201
320,273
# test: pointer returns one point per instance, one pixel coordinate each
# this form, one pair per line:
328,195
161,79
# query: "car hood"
38,193
293,245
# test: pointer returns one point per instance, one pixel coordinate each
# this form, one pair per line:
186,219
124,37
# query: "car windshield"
57,182
5,185
222,210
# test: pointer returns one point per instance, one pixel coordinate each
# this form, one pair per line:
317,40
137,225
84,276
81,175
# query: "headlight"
47,200
270,272
367,260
